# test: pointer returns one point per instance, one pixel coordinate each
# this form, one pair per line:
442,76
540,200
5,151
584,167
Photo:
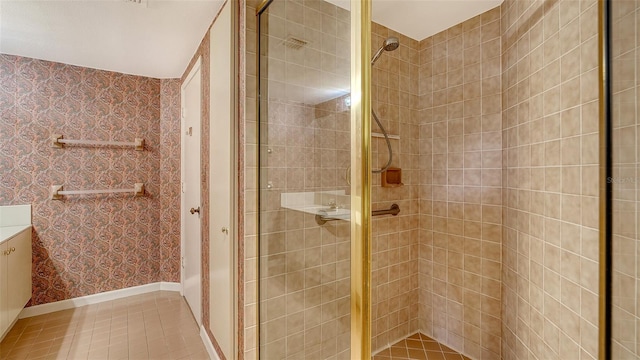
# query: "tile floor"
419,347
157,325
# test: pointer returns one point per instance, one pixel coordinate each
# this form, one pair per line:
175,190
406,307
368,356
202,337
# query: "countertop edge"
9,232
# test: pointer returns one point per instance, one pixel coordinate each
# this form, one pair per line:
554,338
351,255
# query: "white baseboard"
213,354
170,286
8,329
97,298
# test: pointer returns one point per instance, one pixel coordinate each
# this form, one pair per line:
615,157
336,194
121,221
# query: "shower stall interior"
491,128
436,263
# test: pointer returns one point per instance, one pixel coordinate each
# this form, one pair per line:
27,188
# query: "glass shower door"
305,194
624,178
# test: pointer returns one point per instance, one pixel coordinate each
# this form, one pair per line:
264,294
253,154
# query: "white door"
222,237
191,235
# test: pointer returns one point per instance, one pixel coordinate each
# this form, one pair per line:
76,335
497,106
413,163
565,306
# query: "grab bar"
58,141
57,191
394,210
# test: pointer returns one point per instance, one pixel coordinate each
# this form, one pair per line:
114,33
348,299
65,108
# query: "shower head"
389,44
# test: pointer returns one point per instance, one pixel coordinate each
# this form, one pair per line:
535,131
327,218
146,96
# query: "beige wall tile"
560,161
466,163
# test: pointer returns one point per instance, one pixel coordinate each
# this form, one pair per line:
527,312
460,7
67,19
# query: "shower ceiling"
419,19
157,38
154,38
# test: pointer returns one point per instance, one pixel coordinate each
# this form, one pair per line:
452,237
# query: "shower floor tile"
419,347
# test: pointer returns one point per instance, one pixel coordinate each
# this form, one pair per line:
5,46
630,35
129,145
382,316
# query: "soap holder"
392,177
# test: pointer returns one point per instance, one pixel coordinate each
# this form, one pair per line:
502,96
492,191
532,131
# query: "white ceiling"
156,38
419,19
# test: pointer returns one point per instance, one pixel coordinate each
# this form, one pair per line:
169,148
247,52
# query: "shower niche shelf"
392,177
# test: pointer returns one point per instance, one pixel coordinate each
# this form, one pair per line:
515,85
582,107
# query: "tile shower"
497,123
460,212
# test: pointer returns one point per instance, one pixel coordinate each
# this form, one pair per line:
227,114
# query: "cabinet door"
19,273
4,316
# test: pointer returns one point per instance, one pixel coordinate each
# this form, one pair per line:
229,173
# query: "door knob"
225,230
193,211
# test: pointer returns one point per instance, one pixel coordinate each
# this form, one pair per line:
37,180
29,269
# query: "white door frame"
224,95
183,206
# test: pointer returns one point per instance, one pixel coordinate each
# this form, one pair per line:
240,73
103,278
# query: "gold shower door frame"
605,193
360,175
361,179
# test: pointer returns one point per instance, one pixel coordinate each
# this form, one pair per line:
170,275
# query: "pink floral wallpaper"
91,243
170,179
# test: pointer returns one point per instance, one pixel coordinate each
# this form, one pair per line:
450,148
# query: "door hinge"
182,261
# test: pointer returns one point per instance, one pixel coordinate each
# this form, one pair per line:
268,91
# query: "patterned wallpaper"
170,180
84,244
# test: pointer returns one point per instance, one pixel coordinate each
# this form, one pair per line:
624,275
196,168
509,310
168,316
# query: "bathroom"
493,118
86,111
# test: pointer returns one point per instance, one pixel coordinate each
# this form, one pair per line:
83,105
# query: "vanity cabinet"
15,278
